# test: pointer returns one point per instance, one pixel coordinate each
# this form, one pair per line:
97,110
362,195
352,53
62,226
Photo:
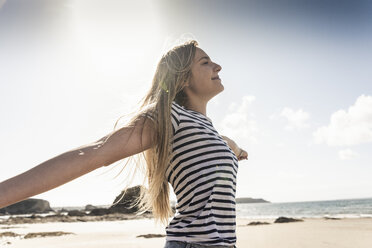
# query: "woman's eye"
205,63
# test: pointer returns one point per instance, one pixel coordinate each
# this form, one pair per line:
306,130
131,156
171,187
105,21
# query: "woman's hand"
239,152
242,154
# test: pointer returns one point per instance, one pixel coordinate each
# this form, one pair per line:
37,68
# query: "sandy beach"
353,233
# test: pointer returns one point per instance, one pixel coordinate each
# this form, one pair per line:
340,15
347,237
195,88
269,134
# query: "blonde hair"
172,72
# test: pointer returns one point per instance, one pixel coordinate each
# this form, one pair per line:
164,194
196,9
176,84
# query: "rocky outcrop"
286,220
100,211
28,206
76,213
124,202
150,235
255,223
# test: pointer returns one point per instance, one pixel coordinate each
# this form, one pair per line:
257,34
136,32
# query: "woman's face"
204,81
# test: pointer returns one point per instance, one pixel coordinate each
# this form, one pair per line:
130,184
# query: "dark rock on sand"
100,211
286,220
151,236
45,234
76,213
34,235
9,227
28,206
255,223
8,234
332,218
124,202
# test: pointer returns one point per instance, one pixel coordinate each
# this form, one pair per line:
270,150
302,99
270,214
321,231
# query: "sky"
298,91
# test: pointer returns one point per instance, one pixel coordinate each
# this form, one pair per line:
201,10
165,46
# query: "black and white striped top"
202,172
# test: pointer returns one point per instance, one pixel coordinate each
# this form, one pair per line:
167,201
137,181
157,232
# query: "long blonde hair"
172,72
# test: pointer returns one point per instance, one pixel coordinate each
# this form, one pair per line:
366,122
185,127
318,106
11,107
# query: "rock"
126,200
332,218
28,206
8,234
286,220
255,223
100,211
45,234
76,213
9,227
151,236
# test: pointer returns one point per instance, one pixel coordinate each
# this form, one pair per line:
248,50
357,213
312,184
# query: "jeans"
183,244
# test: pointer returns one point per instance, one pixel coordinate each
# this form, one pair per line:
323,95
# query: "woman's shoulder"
175,104
177,107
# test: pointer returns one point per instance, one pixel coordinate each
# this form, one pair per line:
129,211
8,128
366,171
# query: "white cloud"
350,127
296,119
347,154
240,123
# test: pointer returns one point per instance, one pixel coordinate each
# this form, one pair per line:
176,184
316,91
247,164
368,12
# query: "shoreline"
311,232
64,217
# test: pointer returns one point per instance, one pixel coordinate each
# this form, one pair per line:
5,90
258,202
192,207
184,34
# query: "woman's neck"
197,106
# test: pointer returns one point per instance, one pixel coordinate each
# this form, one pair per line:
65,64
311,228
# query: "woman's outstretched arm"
72,164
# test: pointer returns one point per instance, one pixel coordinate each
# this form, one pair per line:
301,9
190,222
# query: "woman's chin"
222,87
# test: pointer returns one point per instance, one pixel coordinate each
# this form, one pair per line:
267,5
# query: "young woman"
181,147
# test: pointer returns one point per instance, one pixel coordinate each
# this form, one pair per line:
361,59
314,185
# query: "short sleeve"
175,117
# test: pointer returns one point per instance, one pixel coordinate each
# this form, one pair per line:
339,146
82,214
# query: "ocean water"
348,208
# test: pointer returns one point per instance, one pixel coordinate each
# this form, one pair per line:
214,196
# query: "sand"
319,233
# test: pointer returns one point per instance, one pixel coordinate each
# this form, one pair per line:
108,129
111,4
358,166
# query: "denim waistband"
183,244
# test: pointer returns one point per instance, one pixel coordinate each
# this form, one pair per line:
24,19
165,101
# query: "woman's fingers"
243,155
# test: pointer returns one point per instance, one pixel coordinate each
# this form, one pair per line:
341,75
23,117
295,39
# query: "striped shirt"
202,172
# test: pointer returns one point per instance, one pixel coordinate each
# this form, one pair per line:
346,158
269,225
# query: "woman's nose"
218,67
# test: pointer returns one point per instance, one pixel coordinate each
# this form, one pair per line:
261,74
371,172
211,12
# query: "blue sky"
297,96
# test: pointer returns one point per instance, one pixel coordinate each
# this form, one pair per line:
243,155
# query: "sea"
346,208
